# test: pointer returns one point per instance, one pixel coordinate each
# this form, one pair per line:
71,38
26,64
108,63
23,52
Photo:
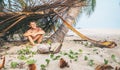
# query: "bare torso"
34,32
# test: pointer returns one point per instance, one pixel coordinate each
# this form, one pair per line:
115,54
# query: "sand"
94,53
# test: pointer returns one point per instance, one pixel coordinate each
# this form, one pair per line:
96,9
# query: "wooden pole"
9,19
22,17
40,12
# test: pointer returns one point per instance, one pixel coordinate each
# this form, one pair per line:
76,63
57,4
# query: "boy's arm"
41,31
27,33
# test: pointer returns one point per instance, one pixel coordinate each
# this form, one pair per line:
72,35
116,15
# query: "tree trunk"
70,16
59,35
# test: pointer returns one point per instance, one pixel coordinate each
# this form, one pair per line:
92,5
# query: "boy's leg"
31,40
40,38
36,38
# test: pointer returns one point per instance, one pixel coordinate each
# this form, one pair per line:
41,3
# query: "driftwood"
63,63
104,67
46,48
32,67
43,48
2,58
117,68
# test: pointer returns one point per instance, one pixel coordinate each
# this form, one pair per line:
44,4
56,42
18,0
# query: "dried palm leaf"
107,44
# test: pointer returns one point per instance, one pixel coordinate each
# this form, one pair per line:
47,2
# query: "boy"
34,33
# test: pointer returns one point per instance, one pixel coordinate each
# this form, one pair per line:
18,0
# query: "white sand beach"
85,57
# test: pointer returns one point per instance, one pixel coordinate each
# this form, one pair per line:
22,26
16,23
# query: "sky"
106,15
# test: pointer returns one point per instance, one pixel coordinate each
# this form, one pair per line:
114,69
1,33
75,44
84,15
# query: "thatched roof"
10,22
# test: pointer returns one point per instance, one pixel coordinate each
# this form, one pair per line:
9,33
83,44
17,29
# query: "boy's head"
33,24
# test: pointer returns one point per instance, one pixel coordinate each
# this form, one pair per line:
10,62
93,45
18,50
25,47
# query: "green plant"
48,61
105,61
31,61
76,53
6,53
49,42
51,55
86,44
22,57
95,49
33,53
71,56
56,57
75,59
91,62
113,57
5,68
71,52
65,53
24,51
13,64
85,58
6,47
80,50
61,52
43,67
119,63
